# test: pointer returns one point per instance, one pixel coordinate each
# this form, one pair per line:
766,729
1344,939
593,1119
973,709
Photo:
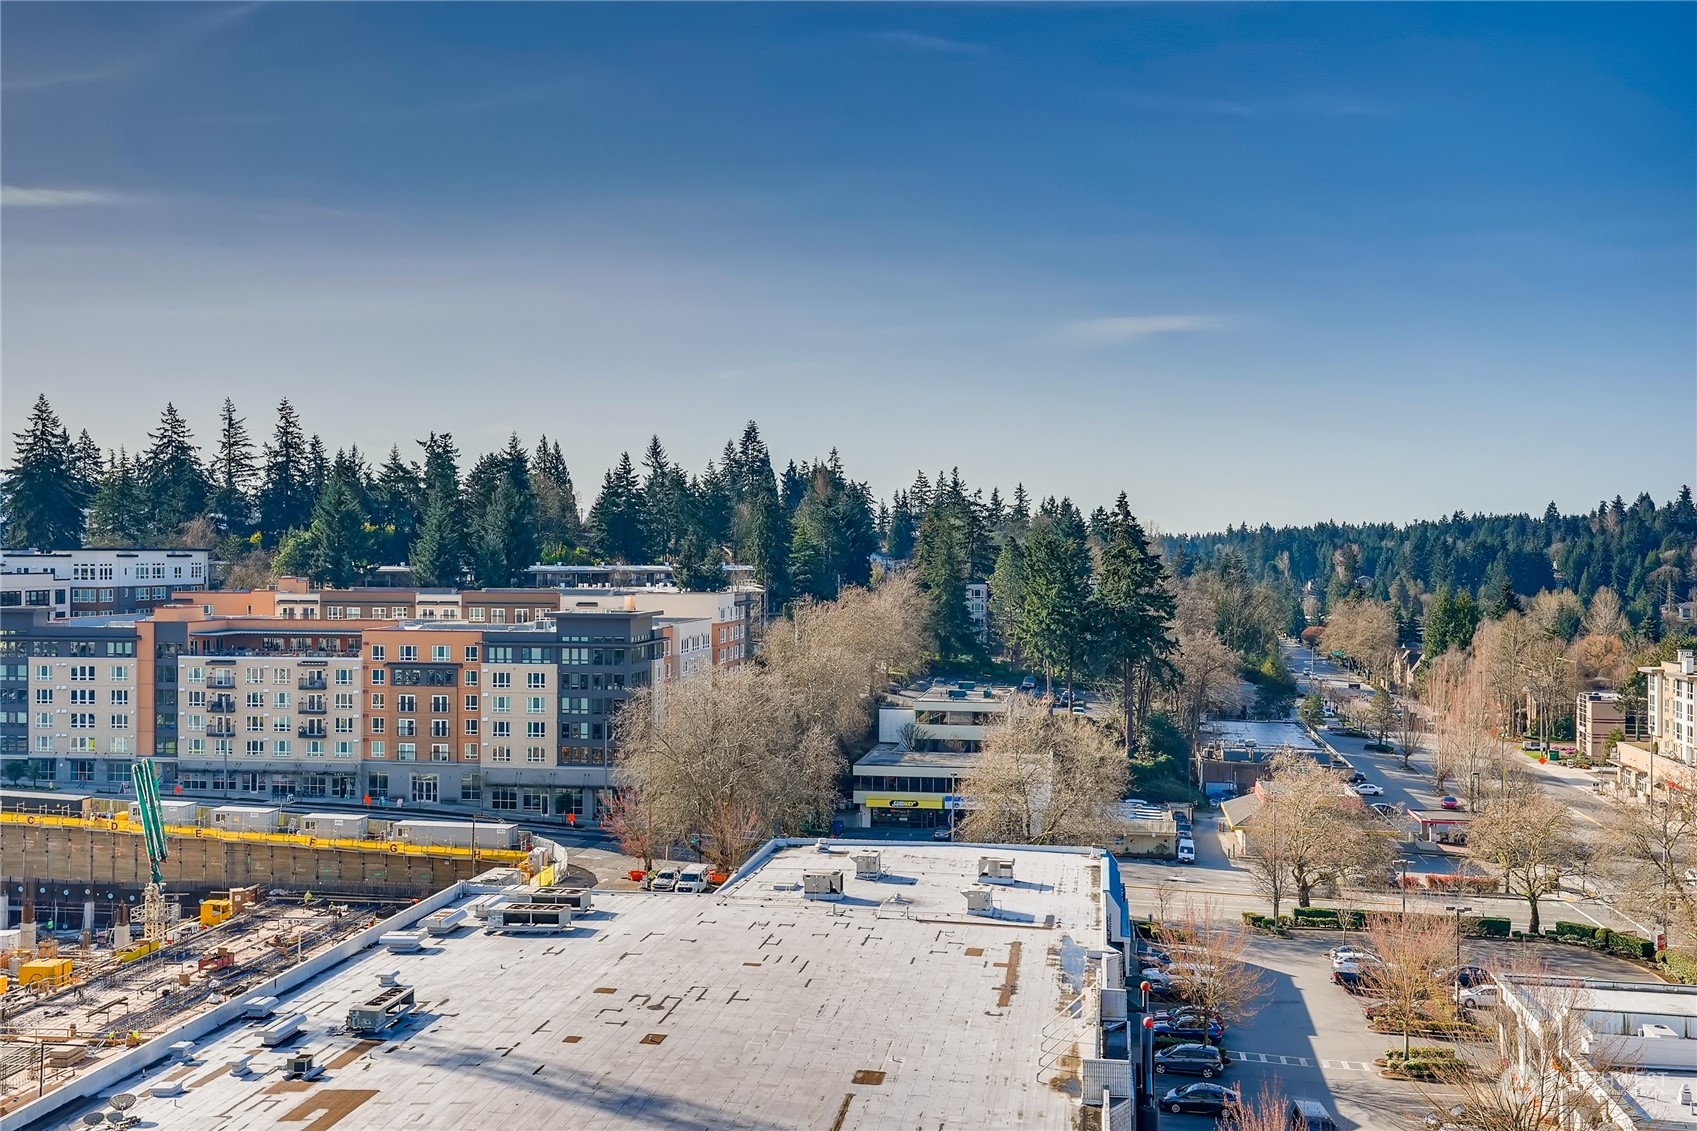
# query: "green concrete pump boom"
152,818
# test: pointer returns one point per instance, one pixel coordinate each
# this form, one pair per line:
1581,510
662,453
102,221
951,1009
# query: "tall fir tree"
504,533
1131,614
90,464
942,574
397,506
1057,592
616,518
336,539
437,556
233,472
558,517
171,475
285,490
43,493
118,515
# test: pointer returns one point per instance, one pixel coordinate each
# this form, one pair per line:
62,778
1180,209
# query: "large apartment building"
102,582
1669,754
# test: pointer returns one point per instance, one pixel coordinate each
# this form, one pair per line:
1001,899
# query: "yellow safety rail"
291,840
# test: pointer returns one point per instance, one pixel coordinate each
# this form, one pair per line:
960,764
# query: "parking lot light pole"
1403,863
1459,911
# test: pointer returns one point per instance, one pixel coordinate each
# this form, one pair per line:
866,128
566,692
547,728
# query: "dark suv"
1310,1115
1205,1061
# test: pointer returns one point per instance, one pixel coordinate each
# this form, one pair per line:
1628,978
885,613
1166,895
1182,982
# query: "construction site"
120,922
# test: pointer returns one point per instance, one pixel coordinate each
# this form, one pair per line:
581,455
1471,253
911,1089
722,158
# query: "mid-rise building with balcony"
1668,756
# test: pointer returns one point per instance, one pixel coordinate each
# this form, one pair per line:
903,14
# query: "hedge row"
1491,927
1602,938
1257,921
1682,968
1329,917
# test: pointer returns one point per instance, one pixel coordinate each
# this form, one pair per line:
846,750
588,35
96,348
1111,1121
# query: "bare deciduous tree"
1046,778
1529,838
1407,734
1415,953
1365,631
1212,972
1603,617
1311,834
1657,845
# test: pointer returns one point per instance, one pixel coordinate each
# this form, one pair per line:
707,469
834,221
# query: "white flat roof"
752,1008
1264,735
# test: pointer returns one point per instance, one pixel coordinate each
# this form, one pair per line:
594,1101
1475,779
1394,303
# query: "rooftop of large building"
1237,733
755,1007
893,755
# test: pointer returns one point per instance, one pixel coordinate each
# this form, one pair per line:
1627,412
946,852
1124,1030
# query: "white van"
1186,850
693,878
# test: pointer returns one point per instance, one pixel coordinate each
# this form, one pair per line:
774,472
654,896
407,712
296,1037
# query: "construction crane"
153,923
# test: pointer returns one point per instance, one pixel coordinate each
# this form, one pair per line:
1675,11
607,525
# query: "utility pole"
1458,910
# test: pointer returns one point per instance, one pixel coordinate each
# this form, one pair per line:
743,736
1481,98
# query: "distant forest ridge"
1645,552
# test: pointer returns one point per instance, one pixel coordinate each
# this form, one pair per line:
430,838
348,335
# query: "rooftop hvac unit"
979,902
277,1032
444,921
867,866
402,942
995,870
382,1012
300,1067
822,885
529,917
255,1009
578,899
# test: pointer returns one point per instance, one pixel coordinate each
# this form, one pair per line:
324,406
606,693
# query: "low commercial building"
928,743
1233,755
788,999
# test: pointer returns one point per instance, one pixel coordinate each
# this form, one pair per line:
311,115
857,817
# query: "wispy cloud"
1132,328
16,196
210,19
505,98
1309,105
942,45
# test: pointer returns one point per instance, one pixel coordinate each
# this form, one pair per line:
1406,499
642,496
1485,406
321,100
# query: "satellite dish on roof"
124,1101
93,1118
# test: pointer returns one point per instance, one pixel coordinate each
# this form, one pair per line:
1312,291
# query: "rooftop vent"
402,942
979,901
512,917
995,870
822,885
867,866
957,694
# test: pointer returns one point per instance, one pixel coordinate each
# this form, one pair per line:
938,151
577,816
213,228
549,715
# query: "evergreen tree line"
1473,566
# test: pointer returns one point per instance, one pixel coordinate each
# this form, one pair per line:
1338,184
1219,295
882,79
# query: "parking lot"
1310,1038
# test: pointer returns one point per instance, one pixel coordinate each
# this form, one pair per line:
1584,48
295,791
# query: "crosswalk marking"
1298,1061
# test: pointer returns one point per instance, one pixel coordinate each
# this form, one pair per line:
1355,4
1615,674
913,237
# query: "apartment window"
535,754
120,673
406,704
120,722
194,747
44,695
333,612
255,723
439,653
471,726
471,702
440,728
344,748
344,700
344,677
82,720
471,788
399,612
471,653
282,724
439,752
500,728
82,696
535,705
280,747
256,700
496,679
281,699
194,722
502,798
406,751
280,675
498,616
536,730
536,679
120,746
409,652
256,748
377,749
315,748
44,671
500,753
468,752
196,675
256,675
344,724
106,596
501,704
377,652
377,701
475,614
377,724
120,698
439,704
82,673
377,677
406,728
43,744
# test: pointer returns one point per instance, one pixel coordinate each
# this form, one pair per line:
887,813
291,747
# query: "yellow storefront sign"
904,802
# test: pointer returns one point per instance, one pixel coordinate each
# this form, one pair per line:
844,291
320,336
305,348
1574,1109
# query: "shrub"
1632,946
1604,939
1491,927
1260,922
1317,917
1517,934
1682,968
1575,932
1286,922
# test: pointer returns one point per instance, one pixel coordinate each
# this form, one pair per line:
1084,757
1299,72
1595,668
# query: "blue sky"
1266,263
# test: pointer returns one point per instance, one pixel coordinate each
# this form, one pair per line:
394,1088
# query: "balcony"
310,705
221,681
222,705
313,682
313,730
220,728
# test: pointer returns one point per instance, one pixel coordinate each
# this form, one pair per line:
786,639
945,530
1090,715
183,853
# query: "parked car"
1450,802
1310,1115
1205,1061
1192,1027
944,833
1384,809
693,878
1080,709
1357,778
665,879
1478,997
1200,1099
1186,851
1468,977
1370,789
1029,683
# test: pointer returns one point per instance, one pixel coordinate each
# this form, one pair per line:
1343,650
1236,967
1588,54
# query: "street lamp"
1459,912
1403,863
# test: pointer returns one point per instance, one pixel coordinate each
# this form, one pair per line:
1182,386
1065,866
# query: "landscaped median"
1352,919
1426,1063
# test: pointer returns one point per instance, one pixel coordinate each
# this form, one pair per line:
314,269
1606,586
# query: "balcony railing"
314,682
217,730
313,732
222,705
221,682
310,705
